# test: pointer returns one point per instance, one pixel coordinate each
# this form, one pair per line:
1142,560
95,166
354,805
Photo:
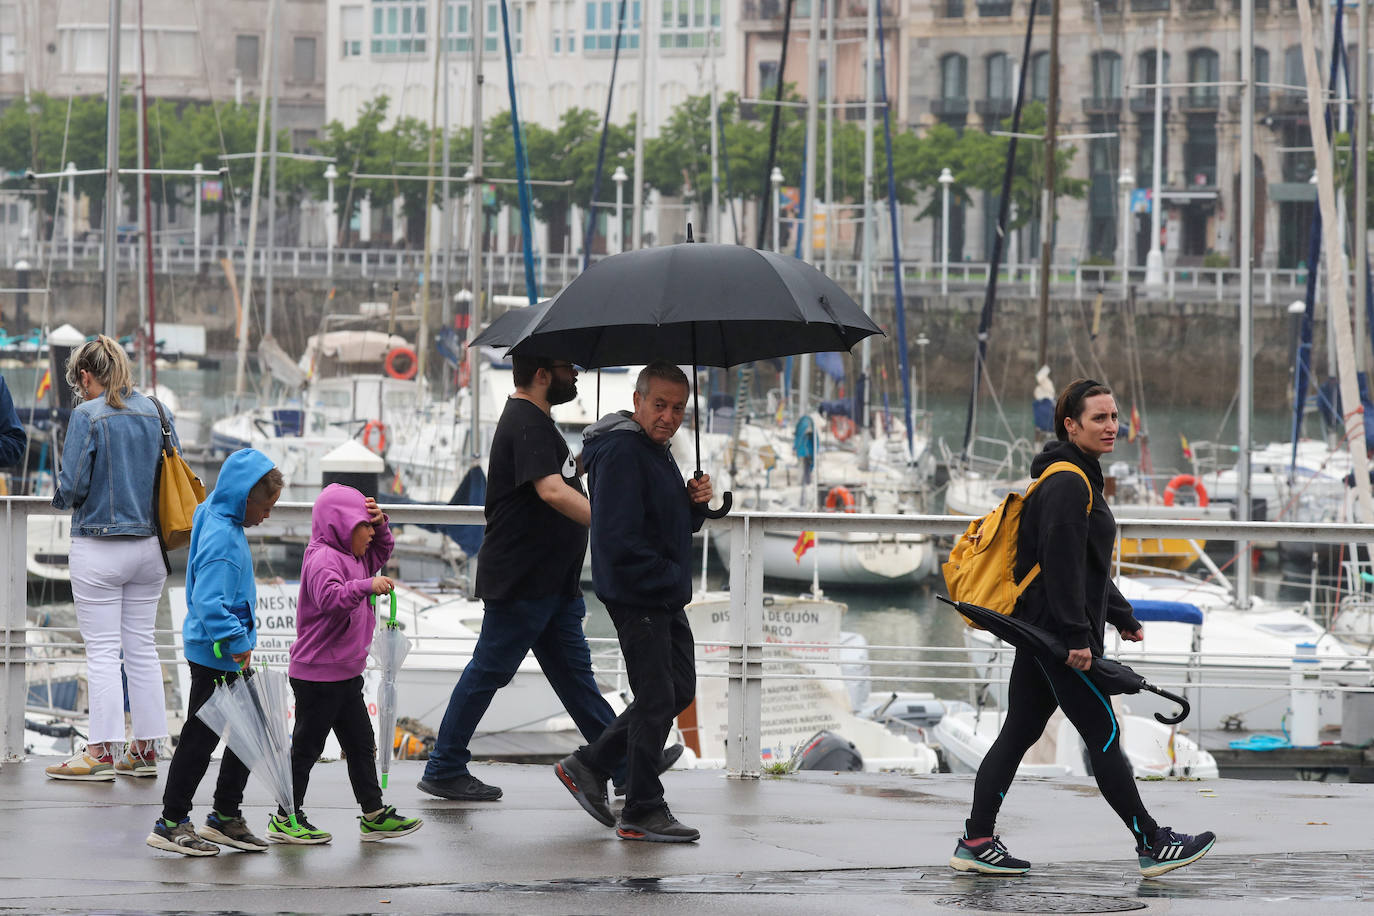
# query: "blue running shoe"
1171,850
989,857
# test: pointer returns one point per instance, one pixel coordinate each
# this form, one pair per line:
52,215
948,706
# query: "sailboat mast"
479,225
148,370
1047,208
830,78
273,89
641,106
870,77
1361,164
246,308
1245,391
422,337
112,163
1335,267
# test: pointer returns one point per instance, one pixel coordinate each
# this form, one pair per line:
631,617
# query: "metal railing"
749,654
505,272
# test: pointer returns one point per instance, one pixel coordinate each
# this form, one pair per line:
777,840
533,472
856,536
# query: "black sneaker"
1171,850
230,831
179,838
465,787
989,857
670,756
656,826
585,786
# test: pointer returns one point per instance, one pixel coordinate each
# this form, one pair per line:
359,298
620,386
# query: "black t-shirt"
530,550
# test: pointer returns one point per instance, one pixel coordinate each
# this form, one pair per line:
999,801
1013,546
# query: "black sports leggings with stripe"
1035,690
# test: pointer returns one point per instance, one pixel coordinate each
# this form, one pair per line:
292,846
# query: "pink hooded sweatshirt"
334,620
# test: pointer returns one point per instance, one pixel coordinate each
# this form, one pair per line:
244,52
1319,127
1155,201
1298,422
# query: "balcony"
761,10
1149,6
1290,103
1200,6
1261,102
749,111
988,8
1101,105
951,9
854,109
994,108
1144,102
1200,103
1261,6
949,107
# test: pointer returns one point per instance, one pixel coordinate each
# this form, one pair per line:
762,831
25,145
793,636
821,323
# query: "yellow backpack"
982,564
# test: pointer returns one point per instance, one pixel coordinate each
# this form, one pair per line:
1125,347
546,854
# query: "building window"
954,76
564,15
351,30
1106,75
457,25
1040,76
246,55
688,23
303,60
998,76
398,26
768,77
9,31
1203,67
1145,154
599,34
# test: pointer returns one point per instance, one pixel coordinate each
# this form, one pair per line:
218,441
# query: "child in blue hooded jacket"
349,544
218,636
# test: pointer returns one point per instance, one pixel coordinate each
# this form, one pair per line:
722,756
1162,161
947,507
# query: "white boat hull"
857,559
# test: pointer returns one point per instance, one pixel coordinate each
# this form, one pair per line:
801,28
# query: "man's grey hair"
665,371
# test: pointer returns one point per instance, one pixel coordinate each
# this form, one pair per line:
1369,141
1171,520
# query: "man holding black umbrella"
642,521
1067,533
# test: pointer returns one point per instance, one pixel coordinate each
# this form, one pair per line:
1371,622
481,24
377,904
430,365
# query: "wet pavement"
809,843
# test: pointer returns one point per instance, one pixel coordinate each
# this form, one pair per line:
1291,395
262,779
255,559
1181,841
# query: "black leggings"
338,706
1035,690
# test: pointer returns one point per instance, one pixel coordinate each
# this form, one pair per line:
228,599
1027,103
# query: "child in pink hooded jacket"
349,544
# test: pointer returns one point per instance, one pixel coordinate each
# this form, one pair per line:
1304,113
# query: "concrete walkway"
812,843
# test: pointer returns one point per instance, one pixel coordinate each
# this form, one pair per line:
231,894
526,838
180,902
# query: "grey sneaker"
231,831
132,763
179,838
586,786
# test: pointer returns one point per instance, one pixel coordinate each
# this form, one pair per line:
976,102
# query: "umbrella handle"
725,501
1181,701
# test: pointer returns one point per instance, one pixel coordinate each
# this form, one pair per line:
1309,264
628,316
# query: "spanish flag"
805,541
44,385
1135,425
1187,452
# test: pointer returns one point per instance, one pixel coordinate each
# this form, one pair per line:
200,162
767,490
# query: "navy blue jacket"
642,517
12,435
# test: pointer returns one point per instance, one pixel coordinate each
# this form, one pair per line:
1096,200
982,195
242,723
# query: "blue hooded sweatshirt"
642,518
221,595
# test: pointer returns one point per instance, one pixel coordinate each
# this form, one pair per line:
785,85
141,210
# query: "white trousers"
116,584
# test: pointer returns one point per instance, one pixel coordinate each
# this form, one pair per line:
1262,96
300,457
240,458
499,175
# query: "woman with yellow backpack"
1067,531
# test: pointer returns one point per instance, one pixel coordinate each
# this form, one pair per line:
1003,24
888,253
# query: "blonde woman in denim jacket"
109,459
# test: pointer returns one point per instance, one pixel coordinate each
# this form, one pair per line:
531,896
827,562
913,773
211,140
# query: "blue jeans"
552,628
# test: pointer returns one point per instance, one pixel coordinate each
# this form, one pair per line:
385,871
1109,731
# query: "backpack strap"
1058,466
1064,466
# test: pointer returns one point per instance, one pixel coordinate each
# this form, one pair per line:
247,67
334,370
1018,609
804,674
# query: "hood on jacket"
620,420
240,471
1057,450
338,510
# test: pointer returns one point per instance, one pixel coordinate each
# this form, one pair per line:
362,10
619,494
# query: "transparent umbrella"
389,647
250,713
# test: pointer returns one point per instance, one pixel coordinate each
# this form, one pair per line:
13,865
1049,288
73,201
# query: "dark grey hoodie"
642,518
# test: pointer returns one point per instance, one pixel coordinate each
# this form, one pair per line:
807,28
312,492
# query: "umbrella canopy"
250,714
389,647
708,305
1110,676
510,326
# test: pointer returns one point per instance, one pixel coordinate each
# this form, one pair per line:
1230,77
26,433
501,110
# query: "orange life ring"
464,374
411,365
378,427
1185,480
839,496
842,427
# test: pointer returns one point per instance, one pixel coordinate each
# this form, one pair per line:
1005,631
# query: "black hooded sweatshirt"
1074,595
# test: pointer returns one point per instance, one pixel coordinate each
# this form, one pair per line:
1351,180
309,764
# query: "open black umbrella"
510,326
1111,676
704,304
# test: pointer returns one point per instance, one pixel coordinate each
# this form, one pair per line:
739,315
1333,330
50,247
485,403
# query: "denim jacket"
109,462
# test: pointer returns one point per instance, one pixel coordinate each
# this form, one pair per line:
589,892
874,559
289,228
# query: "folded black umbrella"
1109,676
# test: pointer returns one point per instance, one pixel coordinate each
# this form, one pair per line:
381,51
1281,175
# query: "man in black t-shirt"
528,574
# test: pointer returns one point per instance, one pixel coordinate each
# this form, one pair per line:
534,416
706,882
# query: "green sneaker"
302,832
387,824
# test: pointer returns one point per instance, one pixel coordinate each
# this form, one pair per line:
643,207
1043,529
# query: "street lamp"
619,177
946,179
775,179
331,225
1126,182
